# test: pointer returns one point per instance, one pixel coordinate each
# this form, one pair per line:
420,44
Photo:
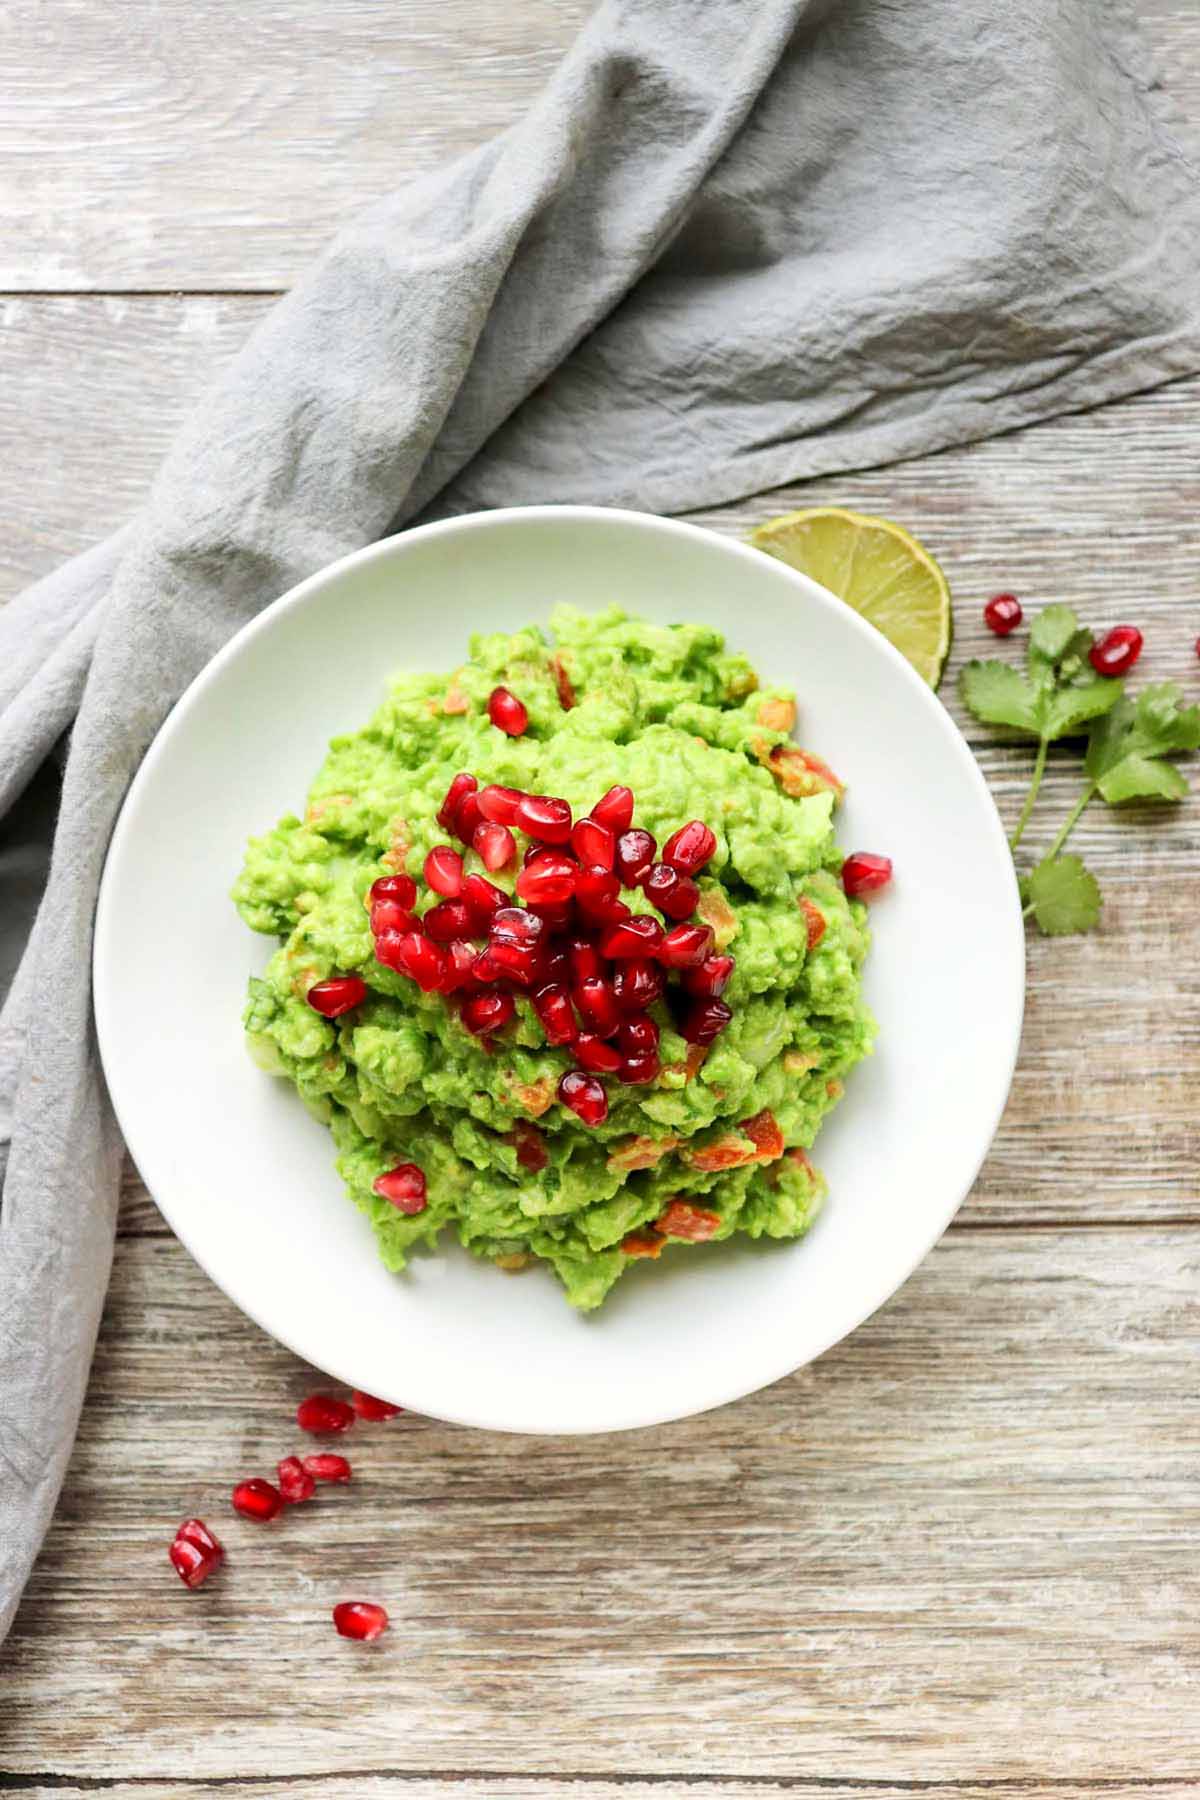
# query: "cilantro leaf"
1067,708
1052,634
1000,695
1126,750
1064,896
1044,706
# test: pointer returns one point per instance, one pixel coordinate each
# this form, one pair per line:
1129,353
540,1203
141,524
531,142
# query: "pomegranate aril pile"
566,940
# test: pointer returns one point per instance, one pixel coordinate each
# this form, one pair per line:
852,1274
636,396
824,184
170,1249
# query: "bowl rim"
465,524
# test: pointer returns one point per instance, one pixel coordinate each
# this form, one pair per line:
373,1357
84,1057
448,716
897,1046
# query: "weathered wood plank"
960,1547
353,1785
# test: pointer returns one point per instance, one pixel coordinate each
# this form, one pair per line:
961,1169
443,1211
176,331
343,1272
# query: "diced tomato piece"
681,1219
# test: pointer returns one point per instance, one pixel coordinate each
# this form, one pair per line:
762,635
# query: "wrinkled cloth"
731,244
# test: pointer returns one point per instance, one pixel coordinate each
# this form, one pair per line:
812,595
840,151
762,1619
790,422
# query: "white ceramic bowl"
246,1177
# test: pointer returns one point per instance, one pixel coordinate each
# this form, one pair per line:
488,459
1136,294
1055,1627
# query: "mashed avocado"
718,1144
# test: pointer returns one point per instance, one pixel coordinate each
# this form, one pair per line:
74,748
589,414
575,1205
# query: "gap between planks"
492,1782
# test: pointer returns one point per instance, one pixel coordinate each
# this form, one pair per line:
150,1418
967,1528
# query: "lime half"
876,567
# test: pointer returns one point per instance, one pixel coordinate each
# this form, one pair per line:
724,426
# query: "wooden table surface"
959,1554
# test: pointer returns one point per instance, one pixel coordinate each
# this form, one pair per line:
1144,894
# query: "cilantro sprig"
1129,740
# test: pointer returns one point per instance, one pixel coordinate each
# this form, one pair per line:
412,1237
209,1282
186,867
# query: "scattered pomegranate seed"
636,1036
640,1069
499,804
711,979
614,809
690,847
411,953
469,818
637,984
448,920
516,925
340,994
257,1499
295,1482
550,877
1117,650
634,856
444,871
389,918
522,963
460,966
552,1004
597,1003
360,1619
494,845
195,1553
674,894
639,935
585,1096
598,897
585,958
1003,614
531,1146
686,946
593,1053
484,898
865,873
507,713
556,964
368,1407
1196,646
456,793
324,1412
545,818
594,844
404,1188
401,889
325,1466
484,1013
704,1021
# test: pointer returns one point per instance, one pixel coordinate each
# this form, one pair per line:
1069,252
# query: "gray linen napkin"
733,242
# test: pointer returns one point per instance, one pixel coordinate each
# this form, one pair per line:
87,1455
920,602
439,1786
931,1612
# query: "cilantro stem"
1039,769
1073,819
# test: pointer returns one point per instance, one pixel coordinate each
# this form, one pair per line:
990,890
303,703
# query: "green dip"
669,713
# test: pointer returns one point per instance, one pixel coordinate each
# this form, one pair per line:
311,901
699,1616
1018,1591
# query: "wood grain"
961,1547
498,1785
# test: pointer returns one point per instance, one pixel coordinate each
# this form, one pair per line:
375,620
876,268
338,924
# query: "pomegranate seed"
469,818
552,1004
585,1096
460,966
368,1407
483,1013
1117,650
484,898
257,1499
543,817
686,946
1196,646
614,809
456,793
411,953
325,1466
324,1412
401,889
593,1053
865,873
448,920
404,1188
556,965
639,935
549,877
444,871
531,1146
640,1069
637,984
634,856
636,1036
507,712
499,804
598,896
1002,614
597,1005
689,848
390,919
485,970
711,979
704,1021
195,1553
340,994
522,963
674,894
494,845
585,958
295,1482
594,844
360,1619
516,925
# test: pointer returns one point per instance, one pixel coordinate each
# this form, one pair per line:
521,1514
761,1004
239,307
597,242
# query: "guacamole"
715,1138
